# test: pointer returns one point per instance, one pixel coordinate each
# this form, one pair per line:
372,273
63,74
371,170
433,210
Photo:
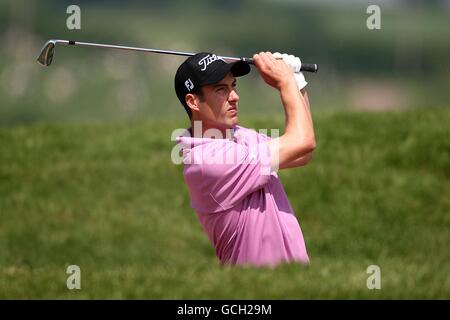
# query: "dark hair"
198,92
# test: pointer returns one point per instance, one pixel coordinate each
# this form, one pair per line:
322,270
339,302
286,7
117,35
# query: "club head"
46,56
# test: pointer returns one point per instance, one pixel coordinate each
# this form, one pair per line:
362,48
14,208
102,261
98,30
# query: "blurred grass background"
85,170
403,65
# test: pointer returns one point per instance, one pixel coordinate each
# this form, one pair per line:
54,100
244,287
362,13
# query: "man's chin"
234,121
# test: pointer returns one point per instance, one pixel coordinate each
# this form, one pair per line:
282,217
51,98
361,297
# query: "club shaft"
99,45
304,67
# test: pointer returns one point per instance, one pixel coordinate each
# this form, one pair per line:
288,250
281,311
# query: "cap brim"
240,68
237,69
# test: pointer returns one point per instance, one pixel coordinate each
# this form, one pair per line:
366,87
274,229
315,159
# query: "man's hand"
295,64
275,73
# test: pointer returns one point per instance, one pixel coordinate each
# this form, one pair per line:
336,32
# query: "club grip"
307,67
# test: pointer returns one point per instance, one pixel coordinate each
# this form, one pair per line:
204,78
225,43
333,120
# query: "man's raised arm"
298,139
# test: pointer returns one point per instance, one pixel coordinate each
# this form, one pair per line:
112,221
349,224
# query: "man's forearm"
303,159
298,139
298,121
305,96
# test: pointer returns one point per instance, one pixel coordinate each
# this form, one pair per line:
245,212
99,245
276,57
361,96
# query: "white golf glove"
295,64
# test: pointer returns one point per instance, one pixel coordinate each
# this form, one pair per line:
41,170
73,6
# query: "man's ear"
192,101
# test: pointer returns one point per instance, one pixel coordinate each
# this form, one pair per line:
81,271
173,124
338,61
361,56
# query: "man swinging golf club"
230,171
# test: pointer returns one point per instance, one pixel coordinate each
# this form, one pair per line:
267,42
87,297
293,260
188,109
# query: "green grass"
107,198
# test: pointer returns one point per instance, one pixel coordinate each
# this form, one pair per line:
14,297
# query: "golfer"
231,171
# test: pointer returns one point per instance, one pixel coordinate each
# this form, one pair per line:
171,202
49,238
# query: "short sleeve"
230,172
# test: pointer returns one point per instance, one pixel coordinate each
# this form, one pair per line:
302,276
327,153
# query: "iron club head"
46,56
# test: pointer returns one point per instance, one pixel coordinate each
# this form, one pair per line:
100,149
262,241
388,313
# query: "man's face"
218,106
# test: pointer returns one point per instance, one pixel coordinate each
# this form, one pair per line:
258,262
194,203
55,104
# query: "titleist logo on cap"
206,61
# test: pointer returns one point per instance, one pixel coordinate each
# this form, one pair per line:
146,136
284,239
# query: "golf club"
46,56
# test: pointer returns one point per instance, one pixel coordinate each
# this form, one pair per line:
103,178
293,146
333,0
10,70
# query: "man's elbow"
301,162
307,146
307,158
307,149
312,145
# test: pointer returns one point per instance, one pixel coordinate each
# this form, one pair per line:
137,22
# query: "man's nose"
233,96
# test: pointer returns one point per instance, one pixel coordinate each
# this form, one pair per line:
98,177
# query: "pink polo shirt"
240,203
